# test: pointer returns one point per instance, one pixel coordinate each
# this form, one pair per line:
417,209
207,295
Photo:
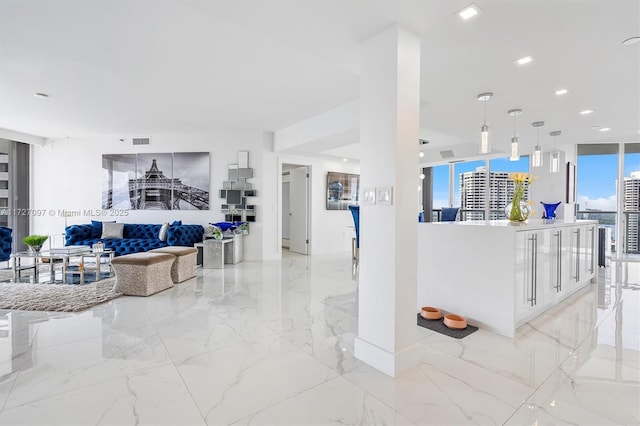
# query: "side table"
217,253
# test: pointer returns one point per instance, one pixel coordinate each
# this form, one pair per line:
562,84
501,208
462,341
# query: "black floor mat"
438,326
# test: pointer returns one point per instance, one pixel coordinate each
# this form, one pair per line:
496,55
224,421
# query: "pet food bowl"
430,313
455,321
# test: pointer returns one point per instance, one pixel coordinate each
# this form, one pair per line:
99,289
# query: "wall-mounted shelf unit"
237,189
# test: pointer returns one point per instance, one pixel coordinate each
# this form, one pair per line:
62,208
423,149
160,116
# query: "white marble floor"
272,344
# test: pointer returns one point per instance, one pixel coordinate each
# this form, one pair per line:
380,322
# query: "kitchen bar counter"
501,275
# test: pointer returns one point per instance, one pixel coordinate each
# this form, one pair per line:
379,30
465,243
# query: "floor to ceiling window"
14,189
600,168
440,192
597,176
501,187
464,184
631,191
470,189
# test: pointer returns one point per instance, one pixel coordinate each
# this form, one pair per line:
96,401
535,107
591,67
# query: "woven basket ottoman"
184,265
143,274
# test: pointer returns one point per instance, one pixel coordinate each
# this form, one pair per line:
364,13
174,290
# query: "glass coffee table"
25,261
83,264
88,266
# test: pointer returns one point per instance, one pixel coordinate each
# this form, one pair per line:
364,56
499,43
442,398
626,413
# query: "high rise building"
472,193
632,204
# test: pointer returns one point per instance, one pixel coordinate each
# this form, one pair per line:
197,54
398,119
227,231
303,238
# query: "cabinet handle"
530,298
591,231
577,276
559,260
534,292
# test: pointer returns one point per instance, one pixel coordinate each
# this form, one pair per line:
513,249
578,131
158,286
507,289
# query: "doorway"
295,208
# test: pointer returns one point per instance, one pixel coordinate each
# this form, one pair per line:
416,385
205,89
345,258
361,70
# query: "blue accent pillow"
176,223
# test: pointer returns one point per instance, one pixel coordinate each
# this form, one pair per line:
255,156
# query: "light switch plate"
368,196
385,195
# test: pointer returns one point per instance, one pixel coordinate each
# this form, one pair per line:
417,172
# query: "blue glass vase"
550,209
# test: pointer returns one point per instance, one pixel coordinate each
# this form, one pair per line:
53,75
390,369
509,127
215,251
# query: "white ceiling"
146,67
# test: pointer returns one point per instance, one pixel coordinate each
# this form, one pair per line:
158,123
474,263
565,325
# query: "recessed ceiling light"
469,11
345,159
41,95
605,129
561,92
421,154
631,40
586,112
595,127
524,60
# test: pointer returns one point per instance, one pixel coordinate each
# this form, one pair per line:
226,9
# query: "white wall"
286,202
67,175
330,232
552,187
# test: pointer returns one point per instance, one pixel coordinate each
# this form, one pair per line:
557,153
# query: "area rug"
438,326
56,297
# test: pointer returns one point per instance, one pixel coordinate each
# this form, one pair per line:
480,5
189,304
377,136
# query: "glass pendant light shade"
554,162
536,158
554,158
515,153
484,143
485,148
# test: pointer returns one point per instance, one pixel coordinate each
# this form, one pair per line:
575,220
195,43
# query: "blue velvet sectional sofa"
135,237
6,238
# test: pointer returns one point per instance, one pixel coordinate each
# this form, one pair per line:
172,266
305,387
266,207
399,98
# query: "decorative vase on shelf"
517,211
550,209
35,248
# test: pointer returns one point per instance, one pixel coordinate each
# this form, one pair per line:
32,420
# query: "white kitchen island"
501,275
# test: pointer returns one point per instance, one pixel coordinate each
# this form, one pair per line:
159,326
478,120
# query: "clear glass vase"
519,213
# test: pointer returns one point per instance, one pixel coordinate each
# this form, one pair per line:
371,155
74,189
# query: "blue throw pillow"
176,223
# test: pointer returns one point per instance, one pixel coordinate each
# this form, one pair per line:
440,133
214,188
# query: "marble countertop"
529,224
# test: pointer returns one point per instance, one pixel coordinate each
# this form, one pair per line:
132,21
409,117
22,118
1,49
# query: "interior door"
299,211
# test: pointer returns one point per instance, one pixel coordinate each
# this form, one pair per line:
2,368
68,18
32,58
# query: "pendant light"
554,166
485,148
536,158
515,154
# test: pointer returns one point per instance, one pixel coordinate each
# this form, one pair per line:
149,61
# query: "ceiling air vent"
446,154
141,141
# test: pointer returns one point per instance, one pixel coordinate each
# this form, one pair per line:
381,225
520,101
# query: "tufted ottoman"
143,274
184,265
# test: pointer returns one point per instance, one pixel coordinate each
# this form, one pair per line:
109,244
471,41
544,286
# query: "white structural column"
389,131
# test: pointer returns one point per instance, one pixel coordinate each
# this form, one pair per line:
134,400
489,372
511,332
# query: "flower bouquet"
518,210
214,232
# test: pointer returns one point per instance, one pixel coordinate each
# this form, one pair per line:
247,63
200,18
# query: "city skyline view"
596,178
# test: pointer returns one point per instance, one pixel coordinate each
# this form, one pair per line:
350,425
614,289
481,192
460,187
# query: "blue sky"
596,179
